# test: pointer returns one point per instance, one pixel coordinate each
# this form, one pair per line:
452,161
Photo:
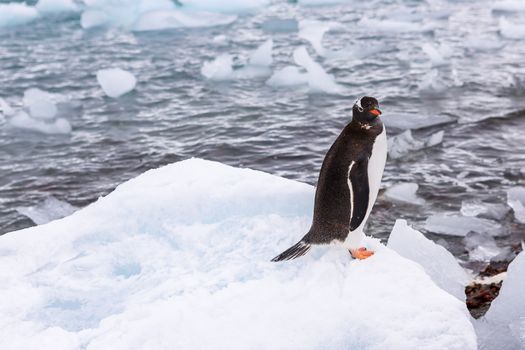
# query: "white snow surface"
179,258
404,193
49,209
516,200
13,14
503,326
116,82
438,262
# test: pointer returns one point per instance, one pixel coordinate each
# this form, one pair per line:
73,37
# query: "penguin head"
365,110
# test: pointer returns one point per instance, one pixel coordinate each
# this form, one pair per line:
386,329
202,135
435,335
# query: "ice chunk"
508,6
277,25
219,69
404,193
511,30
415,121
230,6
438,55
187,247
457,225
503,325
162,19
486,210
48,210
262,56
482,247
394,27
313,32
5,108
402,144
13,14
516,200
288,76
23,121
318,79
94,18
432,84
40,104
52,6
483,43
438,262
320,2
116,82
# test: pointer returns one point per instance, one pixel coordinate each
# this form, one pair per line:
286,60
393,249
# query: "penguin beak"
375,112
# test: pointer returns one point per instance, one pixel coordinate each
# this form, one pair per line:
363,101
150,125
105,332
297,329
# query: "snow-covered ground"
179,258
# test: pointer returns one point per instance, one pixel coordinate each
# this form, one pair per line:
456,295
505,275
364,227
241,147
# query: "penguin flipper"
295,251
360,191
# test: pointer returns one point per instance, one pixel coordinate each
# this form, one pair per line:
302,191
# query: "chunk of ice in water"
13,14
116,82
288,76
486,210
48,210
40,104
415,121
230,6
94,18
432,84
404,193
318,79
262,56
393,27
277,25
511,30
163,19
457,225
402,144
23,121
482,247
313,32
437,262
219,69
5,108
508,6
516,200
437,55
54,6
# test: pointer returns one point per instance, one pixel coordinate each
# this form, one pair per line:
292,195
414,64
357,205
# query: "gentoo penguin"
348,184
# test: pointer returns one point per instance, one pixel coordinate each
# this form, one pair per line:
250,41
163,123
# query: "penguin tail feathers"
295,251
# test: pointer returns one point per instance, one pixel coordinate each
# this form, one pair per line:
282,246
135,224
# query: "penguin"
348,184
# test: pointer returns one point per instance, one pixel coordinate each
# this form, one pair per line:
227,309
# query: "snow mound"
158,20
457,225
116,82
179,258
54,6
13,14
438,262
402,144
503,326
50,209
511,30
516,200
415,121
318,79
22,120
404,193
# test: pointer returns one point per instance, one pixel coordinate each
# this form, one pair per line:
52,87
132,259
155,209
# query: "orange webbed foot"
361,253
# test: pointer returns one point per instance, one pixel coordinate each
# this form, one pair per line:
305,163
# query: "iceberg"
404,193
402,144
179,258
116,82
516,200
437,262
48,210
13,14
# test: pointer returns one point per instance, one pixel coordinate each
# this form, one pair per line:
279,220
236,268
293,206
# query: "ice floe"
313,32
40,103
288,76
54,6
511,30
503,326
280,25
508,6
458,225
487,210
402,144
231,6
404,193
218,69
483,247
48,210
390,26
402,121
22,120
13,14
158,20
438,55
179,258
438,262
116,82
5,108
516,200
483,43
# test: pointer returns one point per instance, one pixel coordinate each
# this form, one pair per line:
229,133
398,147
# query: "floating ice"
313,32
508,6
438,262
5,108
162,19
511,30
288,76
438,55
230,6
50,209
516,200
116,82
277,25
178,258
394,27
40,104
23,121
13,14
52,6
404,193
415,121
94,18
482,247
503,326
432,84
219,69
487,210
483,43
402,144
318,79
262,56
320,2
457,225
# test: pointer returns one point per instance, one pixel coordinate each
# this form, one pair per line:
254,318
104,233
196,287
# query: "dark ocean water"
175,113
